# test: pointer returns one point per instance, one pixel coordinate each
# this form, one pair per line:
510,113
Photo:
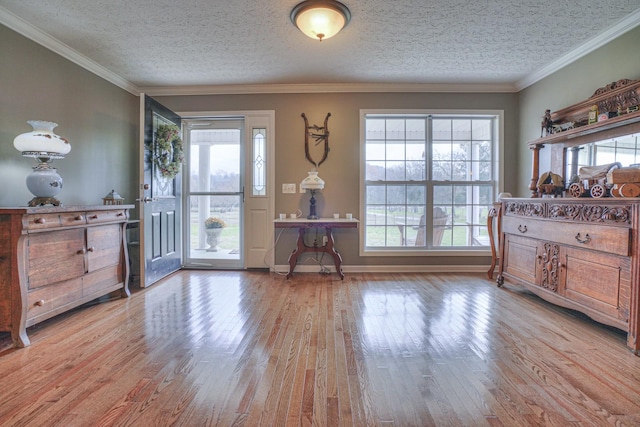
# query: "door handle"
146,200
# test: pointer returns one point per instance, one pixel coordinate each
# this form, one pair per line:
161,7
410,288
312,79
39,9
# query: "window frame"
498,181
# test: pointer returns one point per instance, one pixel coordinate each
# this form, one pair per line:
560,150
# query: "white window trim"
498,158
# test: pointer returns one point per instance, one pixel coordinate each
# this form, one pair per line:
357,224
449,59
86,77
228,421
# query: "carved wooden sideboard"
578,253
54,259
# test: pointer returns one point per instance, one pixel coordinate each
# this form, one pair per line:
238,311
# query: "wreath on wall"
168,154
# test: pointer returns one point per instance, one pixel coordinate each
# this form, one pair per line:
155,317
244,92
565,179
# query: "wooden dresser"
53,259
578,253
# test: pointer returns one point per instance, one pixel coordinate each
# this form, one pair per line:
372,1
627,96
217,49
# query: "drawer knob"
39,303
78,218
90,249
94,217
583,240
39,221
82,251
522,228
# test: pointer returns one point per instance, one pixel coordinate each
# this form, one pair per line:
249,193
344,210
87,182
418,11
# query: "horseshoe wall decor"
319,134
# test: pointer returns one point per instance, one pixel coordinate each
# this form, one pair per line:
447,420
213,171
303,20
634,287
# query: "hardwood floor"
207,348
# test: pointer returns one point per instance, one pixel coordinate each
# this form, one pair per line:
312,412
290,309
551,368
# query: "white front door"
228,195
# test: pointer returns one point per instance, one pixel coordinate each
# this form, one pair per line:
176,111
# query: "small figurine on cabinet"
113,198
546,126
593,115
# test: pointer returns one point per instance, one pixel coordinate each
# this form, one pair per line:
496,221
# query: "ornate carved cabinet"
581,253
577,253
55,259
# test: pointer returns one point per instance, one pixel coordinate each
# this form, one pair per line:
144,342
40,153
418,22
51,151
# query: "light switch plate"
289,188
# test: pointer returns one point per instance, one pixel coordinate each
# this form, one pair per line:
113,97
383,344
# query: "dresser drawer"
96,217
614,240
46,301
41,221
72,218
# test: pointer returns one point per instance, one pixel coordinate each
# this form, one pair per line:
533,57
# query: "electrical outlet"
324,240
288,188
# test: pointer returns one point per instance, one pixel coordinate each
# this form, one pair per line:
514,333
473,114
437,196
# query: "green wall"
99,119
619,59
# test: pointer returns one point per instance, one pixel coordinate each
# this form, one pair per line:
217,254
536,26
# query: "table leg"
329,248
300,247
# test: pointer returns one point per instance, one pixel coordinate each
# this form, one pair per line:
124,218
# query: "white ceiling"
206,46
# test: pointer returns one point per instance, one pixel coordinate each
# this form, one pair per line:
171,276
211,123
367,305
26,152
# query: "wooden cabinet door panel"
598,281
101,281
55,256
104,246
520,256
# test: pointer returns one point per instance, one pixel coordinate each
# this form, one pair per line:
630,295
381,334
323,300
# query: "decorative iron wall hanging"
319,134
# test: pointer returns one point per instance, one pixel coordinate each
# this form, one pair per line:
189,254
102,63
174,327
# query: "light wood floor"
207,348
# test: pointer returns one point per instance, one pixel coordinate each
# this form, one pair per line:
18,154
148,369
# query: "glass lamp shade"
320,19
312,182
44,145
42,141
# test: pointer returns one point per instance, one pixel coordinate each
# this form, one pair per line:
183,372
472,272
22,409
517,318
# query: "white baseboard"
284,269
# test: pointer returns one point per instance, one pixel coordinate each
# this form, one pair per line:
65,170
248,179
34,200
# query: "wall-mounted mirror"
623,149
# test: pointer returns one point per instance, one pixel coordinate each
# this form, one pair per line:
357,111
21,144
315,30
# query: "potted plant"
213,228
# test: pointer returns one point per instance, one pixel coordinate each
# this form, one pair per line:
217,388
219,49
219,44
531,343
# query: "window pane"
481,129
482,150
395,171
484,171
415,171
442,195
375,194
415,151
395,151
259,164
375,171
416,195
215,164
395,195
375,151
461,129
375,128
416,129
461,171
395,129
441,129
412,156
375,215
375,236
441,171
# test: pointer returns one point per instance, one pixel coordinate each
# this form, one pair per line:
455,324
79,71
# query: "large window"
428,181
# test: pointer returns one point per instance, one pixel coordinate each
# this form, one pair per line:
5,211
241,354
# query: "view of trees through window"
429,180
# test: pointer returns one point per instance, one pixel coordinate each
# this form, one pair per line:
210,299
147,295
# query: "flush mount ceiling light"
320,19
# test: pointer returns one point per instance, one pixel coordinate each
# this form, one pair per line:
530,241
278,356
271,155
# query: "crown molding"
627,24
26,29
248,89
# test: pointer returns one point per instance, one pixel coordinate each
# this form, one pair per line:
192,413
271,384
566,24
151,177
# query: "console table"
303,224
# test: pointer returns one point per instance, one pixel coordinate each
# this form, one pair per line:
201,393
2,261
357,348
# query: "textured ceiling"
252,42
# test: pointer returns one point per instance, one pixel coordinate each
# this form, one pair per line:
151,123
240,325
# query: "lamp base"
312,206
42,201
